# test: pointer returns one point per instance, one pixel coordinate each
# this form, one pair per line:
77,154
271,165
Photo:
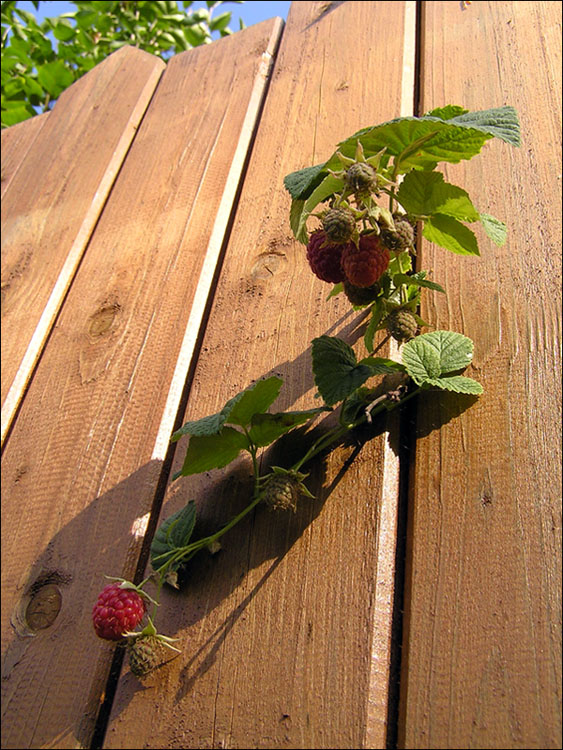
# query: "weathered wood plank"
482,648
81,465
15,143
54,200
277,630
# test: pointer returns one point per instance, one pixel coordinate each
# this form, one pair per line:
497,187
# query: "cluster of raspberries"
360,265
334,256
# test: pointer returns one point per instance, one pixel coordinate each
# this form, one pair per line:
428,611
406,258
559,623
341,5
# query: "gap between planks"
378,698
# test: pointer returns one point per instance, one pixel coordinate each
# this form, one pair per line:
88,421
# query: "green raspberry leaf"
173,533
255,399
457,384
378,313
417,279
431,355
265,428
295,213
418,142
499,122
382,365
208,452
416,195
447,112
301,184
426,193
210,425
494,228
450,234
336,371
422,362
328,187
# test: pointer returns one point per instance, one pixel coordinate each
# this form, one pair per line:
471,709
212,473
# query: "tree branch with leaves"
41,60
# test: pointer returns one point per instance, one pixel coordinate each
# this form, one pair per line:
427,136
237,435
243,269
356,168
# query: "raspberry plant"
375,194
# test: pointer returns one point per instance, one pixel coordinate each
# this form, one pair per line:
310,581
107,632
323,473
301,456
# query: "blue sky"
251,12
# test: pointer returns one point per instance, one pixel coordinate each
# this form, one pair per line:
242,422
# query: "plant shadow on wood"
297,373
73,562
262,540
438,408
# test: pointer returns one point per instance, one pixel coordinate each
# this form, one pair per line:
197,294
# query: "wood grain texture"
54,200
79,472
482,635
16,141
277,629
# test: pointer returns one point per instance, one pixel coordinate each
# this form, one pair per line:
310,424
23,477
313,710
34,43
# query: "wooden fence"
149,274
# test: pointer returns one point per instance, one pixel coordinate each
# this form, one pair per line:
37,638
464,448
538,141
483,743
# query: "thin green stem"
252,449
319,445
183,554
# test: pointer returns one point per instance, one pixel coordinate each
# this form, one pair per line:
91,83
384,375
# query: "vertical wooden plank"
54,201
382,672
482,636
15,144
81,465
277,630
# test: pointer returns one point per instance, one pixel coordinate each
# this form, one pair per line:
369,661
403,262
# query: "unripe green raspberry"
283,488
400,239
401,324
145,654
361,178
339,224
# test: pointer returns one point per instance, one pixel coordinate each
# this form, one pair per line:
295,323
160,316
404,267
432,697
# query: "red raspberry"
365,264
324,257
117,611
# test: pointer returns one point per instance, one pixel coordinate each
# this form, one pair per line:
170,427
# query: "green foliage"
417,142
255,398
216,440
495,229
208,452
36,70
265,428
431,357
338,373
426,193
450,234
412,147
172,534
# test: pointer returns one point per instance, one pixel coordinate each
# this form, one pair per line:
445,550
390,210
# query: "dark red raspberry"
324,257
361,295
117,611
365,264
